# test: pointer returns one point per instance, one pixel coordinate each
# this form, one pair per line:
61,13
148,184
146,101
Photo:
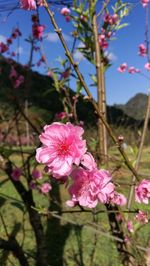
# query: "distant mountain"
135,107
45,101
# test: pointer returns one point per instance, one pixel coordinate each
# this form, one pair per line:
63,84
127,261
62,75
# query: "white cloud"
53,37
77,54
2,38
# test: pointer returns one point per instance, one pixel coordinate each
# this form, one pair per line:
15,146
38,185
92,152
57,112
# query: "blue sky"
120,87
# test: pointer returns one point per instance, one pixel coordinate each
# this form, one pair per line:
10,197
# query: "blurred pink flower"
147,66
102,41
130,226
16,174
122,68
111,19
132,70
144,3
118,199
3,48
142,191
61,115
45,188
90,187
36,174
142,50
62,147
88,161
30,4
65,11
142,217
37,31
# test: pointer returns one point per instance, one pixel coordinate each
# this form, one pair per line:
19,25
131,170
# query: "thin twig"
81,79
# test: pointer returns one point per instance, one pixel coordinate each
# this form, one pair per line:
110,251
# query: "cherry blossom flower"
144,3
142,217
88,161
118,199
120,138
130,226
102,41
90,187
9,41
37,31
30,4
111,19
142,191
15,78
61,115
122,68
62,147
142,50
45,188
3,47
65,11
132,70
147,66
36,174
16,174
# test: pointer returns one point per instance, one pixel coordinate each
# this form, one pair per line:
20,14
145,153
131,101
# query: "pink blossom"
65,11
147,66
15,78
67,18
144,3
130,226
142,217
122,68
62,147
118,199
90,187
61,115
102,41
132,70
111,19
9,41
36,174
37,31
120,138
114,18
18,81
3,47
88,161
142,191
45,188
16,174
142,50
30,4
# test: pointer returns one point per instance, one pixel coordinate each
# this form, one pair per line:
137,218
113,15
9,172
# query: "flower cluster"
64,154
124,67
65,11
30,4
142,191
37,31
15,78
